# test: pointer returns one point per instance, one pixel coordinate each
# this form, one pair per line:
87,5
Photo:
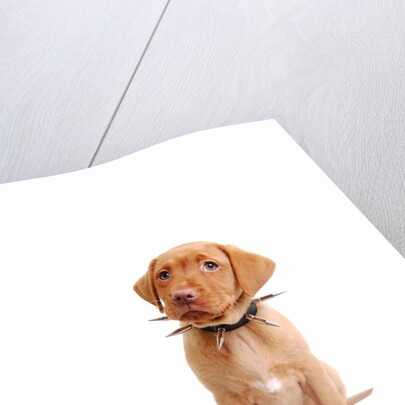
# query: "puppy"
209,287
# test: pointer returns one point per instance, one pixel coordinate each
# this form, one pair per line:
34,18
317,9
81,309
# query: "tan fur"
257,364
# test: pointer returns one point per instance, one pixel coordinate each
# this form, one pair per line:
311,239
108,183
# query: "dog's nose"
184,296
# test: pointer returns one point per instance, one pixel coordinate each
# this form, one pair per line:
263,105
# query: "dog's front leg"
319,386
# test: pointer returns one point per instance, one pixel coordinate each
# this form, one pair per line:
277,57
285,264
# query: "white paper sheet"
74,332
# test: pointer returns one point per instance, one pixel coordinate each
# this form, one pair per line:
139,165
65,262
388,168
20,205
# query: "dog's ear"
145,287
251,270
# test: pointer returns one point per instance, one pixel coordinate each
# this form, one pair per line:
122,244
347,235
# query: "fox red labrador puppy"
209,287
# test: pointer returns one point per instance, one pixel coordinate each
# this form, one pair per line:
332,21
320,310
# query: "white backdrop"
72,329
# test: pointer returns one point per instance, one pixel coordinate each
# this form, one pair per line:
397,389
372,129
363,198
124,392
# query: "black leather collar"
252,310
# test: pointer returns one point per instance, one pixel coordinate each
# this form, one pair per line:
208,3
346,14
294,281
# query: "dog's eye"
210,266
164,275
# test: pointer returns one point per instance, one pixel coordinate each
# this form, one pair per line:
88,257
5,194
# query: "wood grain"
63,68
330,72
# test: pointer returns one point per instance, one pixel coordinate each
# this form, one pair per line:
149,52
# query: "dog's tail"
358,397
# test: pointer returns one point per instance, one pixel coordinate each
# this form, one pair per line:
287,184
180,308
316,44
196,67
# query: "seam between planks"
128,85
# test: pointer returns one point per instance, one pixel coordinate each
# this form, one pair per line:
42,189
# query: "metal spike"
220,338
181,330
267,297
260,320
162,318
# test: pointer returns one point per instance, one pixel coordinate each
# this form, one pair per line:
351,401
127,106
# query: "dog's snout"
184,296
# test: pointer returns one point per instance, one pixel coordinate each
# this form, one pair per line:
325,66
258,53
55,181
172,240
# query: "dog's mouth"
194,315
202,317
201,313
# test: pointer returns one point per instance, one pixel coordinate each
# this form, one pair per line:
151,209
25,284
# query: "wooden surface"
64,66
330,72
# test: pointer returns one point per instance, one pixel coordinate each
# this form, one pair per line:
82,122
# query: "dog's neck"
252,310
250,315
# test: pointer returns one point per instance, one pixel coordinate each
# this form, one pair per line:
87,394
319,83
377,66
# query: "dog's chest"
244,366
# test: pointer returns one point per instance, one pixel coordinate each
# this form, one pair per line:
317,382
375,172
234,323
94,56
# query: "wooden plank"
64,66
329,72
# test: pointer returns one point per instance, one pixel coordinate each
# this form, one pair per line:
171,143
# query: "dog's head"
204,283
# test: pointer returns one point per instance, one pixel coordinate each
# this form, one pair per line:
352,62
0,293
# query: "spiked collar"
252,310
220,330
